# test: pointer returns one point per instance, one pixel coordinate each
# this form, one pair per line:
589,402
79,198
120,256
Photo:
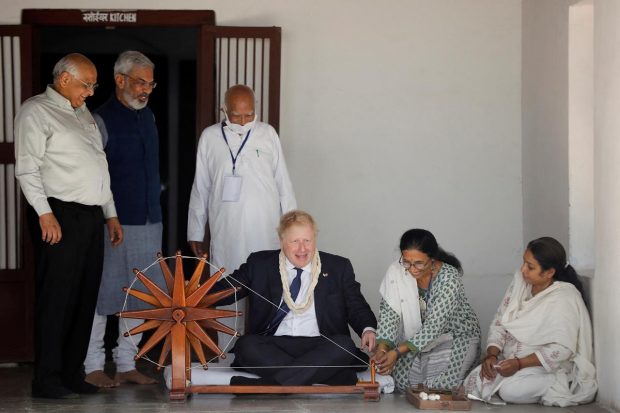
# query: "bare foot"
133,376
100,379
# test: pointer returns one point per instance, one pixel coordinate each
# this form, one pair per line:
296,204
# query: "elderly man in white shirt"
241,186
63,172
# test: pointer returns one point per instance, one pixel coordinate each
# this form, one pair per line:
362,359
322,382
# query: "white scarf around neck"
286,292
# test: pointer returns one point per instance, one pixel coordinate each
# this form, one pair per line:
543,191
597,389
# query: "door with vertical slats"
16,265
242,55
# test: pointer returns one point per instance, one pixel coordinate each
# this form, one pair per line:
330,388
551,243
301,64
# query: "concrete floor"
15,397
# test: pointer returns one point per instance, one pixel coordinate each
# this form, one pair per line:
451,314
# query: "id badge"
232,188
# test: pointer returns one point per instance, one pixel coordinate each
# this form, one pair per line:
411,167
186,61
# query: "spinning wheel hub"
178,315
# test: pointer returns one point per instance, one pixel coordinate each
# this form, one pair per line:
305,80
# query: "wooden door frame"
133,18
21,347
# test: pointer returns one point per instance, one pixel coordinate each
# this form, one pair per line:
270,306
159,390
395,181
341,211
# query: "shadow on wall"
484,294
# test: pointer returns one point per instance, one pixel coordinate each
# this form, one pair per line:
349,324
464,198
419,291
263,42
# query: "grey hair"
130,58
66,64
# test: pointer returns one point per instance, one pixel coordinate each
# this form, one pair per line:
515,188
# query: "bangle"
518,363
398,353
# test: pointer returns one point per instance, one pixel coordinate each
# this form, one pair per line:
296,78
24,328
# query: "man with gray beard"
131,143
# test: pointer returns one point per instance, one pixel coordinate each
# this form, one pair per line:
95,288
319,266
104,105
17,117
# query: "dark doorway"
174,53
196,61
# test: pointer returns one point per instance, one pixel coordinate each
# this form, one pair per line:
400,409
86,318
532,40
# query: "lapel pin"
325,274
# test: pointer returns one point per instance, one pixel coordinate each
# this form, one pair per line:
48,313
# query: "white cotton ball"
423,395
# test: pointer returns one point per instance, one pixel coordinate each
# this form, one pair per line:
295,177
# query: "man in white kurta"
241,186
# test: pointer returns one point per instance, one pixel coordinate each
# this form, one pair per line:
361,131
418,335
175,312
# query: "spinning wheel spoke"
195,344
217,326
157,292
148,325
153,314
197,295
178,292
197,314
165,350
211,299
147,298
192,285
157,336
199,333
165,270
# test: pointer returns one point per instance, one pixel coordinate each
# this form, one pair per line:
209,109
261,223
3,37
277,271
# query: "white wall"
606,306
545,159
545,120
581,135
395,114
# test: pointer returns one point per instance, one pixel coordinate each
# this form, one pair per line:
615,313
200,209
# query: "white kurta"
248,225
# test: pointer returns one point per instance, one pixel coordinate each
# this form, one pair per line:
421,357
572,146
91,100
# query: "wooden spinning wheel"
181,318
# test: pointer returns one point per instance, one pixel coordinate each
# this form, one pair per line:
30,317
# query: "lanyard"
234,157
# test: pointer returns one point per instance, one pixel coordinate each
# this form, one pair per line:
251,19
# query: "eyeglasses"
89,86
418,265
141,82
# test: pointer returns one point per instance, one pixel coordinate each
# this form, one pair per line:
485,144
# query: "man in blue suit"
307,301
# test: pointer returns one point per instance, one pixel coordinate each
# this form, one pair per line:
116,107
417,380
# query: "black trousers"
67,284
260,351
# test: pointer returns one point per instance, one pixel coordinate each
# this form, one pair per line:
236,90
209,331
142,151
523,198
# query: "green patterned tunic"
447,311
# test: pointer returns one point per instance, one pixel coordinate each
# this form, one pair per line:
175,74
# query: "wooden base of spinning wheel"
368,389
182,316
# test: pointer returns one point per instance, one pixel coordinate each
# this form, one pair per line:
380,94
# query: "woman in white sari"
539,348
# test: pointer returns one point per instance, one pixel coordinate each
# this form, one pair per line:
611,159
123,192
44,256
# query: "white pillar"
606,286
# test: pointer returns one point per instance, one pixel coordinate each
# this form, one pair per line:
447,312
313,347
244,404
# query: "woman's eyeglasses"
418,265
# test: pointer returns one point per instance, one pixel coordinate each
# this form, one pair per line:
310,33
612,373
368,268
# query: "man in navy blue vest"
131,144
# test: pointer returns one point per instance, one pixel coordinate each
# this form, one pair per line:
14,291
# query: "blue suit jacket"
338,300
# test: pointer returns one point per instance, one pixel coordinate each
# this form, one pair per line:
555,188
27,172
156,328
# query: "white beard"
134,103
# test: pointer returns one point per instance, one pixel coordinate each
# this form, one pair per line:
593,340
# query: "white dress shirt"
58,153
304,324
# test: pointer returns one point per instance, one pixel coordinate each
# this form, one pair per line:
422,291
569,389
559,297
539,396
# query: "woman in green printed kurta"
427,333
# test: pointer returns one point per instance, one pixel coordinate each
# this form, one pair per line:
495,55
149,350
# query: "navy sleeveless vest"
133,160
